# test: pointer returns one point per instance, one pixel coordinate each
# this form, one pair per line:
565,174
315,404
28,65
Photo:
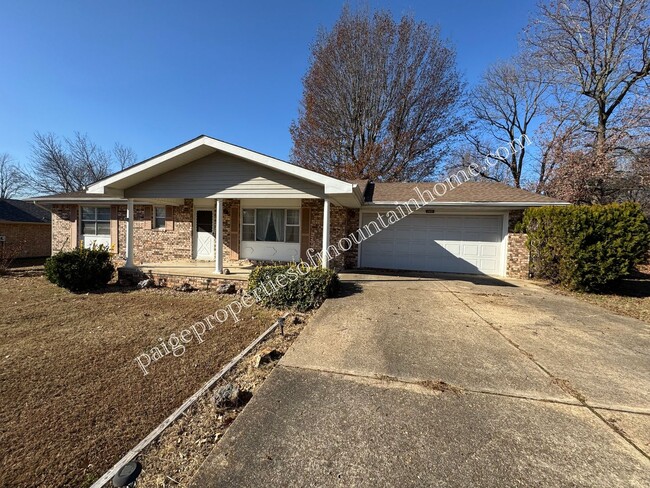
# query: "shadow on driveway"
378,275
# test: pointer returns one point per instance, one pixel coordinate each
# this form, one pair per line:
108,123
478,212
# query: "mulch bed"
173,459
73,400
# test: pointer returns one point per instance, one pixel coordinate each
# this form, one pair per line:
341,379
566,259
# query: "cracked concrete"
449,382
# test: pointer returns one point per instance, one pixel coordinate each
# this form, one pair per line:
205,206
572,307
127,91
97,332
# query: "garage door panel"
454,244
489,251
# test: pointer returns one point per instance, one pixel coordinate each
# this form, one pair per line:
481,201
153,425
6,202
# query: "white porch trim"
218,257
129,233
325,261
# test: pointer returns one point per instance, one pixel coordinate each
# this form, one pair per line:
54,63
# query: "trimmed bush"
305,288
586,247
80,269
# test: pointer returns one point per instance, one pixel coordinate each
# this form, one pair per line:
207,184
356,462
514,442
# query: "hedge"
305,287
586,247
80,269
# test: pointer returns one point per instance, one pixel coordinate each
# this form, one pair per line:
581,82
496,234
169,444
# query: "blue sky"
153,74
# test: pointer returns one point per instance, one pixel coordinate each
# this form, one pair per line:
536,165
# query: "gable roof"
20,211
202,146
463,193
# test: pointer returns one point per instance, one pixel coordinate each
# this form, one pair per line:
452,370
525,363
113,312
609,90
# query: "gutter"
466,204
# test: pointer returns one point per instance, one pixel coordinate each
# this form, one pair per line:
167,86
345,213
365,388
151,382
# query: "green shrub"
586,247
305,288
80,269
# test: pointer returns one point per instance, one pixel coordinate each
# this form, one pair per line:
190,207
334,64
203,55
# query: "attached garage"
470,244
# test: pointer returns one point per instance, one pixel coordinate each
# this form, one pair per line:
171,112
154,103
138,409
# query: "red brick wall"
343,221
26,240
159,245
64,227
156,245
517,260
517,264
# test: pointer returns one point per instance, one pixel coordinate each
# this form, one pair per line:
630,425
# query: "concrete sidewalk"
454,382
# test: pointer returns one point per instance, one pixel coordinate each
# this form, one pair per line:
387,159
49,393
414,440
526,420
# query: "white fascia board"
100,185
91,199
331,185
99,200
468,204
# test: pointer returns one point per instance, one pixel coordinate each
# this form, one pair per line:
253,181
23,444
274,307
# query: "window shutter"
305,224
148,209
234,232
114,231
169,217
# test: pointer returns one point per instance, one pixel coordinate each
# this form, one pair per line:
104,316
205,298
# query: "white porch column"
129,233
218,252
325,261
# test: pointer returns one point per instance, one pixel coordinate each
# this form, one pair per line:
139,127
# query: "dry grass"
73,401
630,296
173,459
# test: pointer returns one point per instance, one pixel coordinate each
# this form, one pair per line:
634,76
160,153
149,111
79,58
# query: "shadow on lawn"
636,285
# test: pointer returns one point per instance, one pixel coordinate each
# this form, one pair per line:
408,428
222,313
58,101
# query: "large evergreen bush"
80,269
586,247
292,286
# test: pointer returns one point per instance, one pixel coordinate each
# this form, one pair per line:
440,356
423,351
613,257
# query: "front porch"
198,269
199,274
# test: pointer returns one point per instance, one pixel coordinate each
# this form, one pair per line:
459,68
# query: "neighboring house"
25,229
210,200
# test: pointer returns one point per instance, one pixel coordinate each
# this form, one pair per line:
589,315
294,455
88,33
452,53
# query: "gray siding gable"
220,175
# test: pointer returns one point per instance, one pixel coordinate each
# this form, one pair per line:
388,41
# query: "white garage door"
449,244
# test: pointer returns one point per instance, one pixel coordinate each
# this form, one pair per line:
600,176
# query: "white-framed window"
292,233
248,224
96,221
159,217
271,225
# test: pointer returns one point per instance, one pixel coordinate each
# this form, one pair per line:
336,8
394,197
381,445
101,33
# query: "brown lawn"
629,296
72,399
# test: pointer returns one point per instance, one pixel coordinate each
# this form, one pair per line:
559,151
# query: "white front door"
204,237
446,243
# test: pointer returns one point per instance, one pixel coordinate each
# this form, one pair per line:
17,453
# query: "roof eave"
466,204
330,185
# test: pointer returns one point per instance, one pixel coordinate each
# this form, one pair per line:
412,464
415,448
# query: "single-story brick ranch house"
25,229
220,205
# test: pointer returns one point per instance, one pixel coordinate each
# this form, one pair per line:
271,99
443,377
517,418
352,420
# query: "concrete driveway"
451,381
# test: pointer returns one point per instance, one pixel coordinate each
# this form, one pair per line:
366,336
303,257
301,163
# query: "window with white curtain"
271,225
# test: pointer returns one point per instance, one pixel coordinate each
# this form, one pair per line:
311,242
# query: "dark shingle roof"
74,196
20,211
70,194
470,191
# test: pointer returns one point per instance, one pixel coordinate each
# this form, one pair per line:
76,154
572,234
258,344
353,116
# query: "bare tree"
52,168
600,49
504,106
381,100
12,179
67,166
124,155
465,160
90,162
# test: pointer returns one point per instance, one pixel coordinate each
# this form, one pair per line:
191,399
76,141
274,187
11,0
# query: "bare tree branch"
12,179
73,164
598,52
510,96
124,155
